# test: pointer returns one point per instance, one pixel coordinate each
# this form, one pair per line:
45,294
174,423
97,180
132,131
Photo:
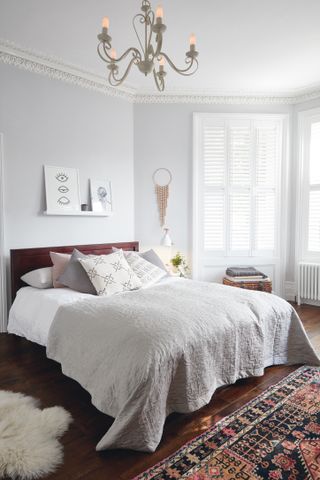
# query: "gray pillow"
75,277
153,258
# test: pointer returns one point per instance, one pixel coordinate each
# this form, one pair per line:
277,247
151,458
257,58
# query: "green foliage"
177,260
180,263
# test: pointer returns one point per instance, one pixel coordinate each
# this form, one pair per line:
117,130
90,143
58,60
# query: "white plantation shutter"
214,150
315,154
239,166
314,221
240,154
238,172
313,189
309,210
214,138
214,207
239,221
267,160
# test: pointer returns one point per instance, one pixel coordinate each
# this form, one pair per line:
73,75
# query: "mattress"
33,311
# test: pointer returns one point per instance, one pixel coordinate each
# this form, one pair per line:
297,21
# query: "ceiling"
246,46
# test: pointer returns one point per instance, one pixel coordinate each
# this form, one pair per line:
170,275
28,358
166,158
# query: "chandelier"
150,58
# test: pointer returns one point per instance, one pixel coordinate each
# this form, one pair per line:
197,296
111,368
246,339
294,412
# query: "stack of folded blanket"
247,277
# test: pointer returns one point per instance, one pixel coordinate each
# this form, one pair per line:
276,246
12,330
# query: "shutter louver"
214,139
214,155
240,221
266,156
265,221
240,155
214,220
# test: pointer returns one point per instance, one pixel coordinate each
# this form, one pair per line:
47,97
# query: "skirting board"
314,303
290,294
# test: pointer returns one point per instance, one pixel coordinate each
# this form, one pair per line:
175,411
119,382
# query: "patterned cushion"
148,273
110,274
150,255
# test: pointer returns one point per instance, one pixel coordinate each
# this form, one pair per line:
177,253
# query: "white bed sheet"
33,311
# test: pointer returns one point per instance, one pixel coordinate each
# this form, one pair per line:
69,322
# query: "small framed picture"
62,189
101,195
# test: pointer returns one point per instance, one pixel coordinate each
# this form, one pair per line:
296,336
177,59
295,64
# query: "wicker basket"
261,286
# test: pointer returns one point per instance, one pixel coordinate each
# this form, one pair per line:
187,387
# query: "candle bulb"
162,62
159,12
193,40
105,22
113,54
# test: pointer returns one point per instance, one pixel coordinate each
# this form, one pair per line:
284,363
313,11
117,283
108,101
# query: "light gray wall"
164,138
48,122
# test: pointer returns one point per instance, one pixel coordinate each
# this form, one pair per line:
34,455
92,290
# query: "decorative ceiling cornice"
206,98
59,70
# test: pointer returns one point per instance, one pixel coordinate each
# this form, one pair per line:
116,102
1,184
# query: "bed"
147,353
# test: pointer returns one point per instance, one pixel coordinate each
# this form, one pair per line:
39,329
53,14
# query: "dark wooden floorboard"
25,368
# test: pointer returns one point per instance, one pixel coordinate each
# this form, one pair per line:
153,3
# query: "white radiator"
309,283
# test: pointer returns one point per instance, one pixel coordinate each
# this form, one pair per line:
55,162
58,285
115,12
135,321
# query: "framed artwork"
101,195
62,189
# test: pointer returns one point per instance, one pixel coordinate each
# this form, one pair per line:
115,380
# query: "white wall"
48,122
163,138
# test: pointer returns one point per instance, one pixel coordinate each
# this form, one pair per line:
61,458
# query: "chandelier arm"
142,20
108,59
151,18
159,83
193,62
115,82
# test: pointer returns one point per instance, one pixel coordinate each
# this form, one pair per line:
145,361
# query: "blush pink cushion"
59,261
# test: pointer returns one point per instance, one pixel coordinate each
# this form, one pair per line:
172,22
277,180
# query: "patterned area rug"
276,436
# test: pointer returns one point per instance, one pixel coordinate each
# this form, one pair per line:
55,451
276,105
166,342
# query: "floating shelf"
77,214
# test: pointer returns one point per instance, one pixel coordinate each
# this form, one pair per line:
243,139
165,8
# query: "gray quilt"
144,354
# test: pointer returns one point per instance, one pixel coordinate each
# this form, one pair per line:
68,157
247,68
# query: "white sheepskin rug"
28,437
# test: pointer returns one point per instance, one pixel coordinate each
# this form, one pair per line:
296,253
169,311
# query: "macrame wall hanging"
162,179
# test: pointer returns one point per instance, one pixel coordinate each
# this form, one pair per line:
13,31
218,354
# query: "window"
309,223
237,171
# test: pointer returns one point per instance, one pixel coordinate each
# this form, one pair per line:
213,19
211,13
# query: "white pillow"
148,273
40,278
110,274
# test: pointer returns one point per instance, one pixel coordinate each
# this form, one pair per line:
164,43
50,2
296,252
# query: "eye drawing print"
63,189
63,201
63,177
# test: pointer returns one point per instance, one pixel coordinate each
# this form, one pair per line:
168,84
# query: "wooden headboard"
26,259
